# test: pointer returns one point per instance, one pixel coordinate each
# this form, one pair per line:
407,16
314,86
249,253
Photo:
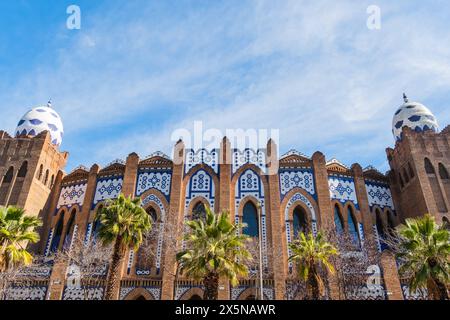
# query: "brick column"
130,175
276,222
50,210
83,219
224,200
57,281
363,202
390,274
174,218
325,215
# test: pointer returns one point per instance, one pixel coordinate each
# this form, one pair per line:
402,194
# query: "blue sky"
138,70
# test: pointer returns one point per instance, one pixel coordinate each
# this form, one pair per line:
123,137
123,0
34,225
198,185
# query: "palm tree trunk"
113,281
441,290
312,284
211,283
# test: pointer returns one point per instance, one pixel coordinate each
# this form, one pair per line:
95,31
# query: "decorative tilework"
342,189
377,237
83,293
193,158
290,179
379,194
236,292
240,158
298,197
72,195
361,232
155,200
250,184
373,292
181,290
201,184
130,261
419,294
159,180
108,188
26,293
87,237
49,241
154,291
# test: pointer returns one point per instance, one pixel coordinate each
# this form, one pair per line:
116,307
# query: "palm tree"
16,230
423,249
310,253
122,222
215,249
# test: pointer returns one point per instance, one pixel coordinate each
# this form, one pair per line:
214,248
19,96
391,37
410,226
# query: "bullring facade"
305,192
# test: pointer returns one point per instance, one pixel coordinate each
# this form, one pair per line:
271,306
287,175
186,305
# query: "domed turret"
415,116
41,119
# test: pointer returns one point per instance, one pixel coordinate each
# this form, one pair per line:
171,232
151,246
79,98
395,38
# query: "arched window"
57,234
152,213
250,218
443,173
7,179
195,297
69,229
380,229
446,223
352,227
411,171
23,170
300,222
96,224
52,181
40,171
391,223
402,184
429,167
338,220
46,177
405,175
9,175
199,211
435,186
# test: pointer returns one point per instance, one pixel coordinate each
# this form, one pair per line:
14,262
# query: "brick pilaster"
83,220
174,218
390,274
325,218
225,200
363,203
276,223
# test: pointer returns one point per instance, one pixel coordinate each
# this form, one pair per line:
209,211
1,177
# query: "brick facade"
167,185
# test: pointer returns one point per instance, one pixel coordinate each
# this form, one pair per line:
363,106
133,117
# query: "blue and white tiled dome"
41,119
415,116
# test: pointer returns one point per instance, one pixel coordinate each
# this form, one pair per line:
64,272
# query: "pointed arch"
18,184
40,172
58,231
23,170
352,224
46,177
250,218
193,294
435,186
69,228
139,294
300,220
338,219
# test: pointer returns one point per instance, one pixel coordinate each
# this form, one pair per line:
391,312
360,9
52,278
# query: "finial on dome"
49,103
405,98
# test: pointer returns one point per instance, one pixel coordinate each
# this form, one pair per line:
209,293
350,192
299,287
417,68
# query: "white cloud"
311,69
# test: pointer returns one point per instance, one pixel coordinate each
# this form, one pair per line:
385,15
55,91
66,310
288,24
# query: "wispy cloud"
136,72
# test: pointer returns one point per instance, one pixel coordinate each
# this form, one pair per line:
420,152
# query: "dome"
415,116
41,119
